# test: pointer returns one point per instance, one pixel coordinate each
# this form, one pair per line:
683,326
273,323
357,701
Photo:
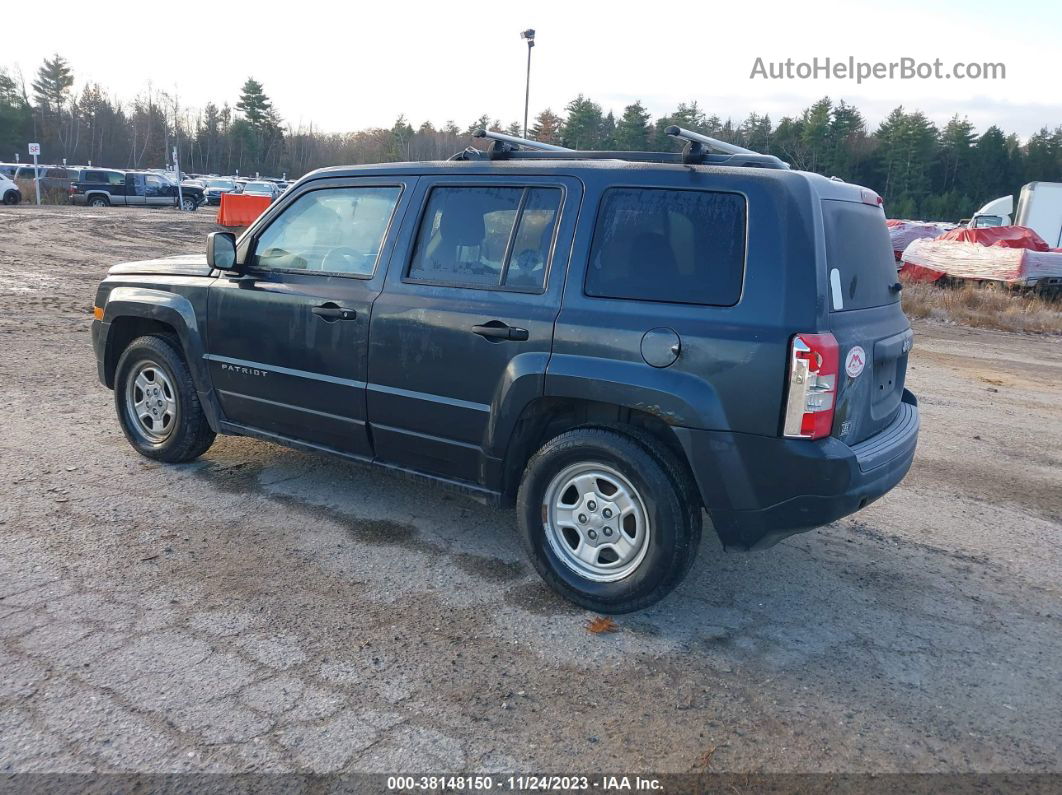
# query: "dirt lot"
265,609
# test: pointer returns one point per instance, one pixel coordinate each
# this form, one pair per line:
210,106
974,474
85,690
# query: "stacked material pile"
904,232
1010,254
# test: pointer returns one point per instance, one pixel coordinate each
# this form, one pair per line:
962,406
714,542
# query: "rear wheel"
99,201
157,403
609,520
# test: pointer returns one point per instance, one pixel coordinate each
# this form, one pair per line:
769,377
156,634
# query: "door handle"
332,312
496,330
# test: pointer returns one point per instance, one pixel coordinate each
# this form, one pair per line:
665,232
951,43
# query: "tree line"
922,170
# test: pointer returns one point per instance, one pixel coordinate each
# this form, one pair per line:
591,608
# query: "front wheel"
189,203
157,403
609,520
12,197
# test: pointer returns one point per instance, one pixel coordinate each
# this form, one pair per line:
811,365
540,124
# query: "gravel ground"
263,609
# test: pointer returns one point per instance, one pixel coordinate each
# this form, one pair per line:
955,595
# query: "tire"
158,362
99,201
190,204
12,197
652,557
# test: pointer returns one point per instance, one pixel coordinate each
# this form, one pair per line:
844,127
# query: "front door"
134,189
159,192
465,323
286,342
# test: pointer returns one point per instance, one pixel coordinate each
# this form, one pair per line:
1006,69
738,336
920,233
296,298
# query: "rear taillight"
813,364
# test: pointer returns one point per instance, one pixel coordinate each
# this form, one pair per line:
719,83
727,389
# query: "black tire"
99,201
12,197
190,436
190,204
666,491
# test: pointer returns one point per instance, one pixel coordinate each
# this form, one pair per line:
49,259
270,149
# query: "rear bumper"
761,489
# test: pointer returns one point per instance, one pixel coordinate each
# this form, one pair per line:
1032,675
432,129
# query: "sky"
347,66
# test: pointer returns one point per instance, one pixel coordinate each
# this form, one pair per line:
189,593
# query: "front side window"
335,230
486,237
678,246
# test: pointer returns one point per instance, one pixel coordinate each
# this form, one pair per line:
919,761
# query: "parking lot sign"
35,149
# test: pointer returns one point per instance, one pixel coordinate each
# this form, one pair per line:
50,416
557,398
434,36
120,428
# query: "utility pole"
529,35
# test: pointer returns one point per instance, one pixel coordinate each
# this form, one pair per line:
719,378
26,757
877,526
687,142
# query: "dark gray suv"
614,342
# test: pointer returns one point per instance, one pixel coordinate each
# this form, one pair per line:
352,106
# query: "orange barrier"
239,210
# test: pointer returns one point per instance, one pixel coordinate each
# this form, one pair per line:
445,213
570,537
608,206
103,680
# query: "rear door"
872,332
286,343
466,320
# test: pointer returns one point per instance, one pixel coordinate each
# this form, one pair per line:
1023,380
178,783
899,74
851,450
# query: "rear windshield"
859,256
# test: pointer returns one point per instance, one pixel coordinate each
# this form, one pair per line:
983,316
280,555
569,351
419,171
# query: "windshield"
257,187
227,184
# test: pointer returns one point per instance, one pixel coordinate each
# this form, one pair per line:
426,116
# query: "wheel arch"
548,417
132,312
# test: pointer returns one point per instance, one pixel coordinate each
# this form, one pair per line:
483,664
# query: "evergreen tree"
632,129
16,119
254,104
584,126
953,173
52,87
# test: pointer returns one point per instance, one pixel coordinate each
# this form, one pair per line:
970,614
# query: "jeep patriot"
614,342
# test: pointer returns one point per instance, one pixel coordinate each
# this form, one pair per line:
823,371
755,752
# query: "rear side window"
859,256
94,176
678,246
493,237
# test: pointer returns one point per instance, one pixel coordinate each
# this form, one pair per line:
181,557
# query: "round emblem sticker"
855,362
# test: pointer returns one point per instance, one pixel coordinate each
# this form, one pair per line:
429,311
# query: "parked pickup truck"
614,342
105,187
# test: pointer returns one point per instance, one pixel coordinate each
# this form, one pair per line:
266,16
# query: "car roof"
608,168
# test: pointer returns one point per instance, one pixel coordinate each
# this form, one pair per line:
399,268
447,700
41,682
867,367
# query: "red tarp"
1012,254
239,210
1003,236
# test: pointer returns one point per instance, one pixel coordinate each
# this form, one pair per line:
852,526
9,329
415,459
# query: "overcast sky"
345,66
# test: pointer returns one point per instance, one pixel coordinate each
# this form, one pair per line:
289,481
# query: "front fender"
673,396
174,310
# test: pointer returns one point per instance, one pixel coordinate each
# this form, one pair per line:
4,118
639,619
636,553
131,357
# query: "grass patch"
48,195
989,305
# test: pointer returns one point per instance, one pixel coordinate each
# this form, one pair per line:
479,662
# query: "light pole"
528,34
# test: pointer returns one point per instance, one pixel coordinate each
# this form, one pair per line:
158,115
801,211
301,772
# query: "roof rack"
510,147
503,142
503,145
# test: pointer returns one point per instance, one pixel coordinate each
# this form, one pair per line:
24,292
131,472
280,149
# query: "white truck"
1039,209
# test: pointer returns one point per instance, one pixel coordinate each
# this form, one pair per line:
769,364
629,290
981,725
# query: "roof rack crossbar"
712,143
522,143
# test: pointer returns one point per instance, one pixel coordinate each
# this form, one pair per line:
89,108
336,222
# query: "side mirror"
221,251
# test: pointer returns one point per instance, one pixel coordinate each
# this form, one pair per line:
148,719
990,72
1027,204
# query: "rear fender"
676,398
